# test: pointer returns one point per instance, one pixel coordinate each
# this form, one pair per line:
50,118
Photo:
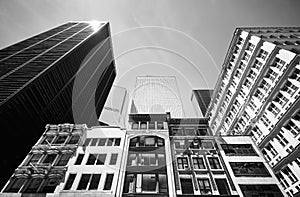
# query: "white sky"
187,38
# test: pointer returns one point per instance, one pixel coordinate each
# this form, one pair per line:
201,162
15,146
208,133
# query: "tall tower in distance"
157,94
61,75
257,94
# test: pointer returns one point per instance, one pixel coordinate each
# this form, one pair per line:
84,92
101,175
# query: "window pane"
163,184
117,141
79,159
60,139
64,160
87,141
94,142
91,160
151,125
187,186
15,185
102,142
101,159
160,125
143,125
108,181
222,186
83,181
70,181
149,183
74,139
34,159
50,185
135,125
110,142
150,141
204,186
94,181
113,159
48,139
33,185
49,158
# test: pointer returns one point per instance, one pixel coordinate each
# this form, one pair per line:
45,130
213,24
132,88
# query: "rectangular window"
150,141
160,125
60,139
238,149
143,125
189,131
48,139
87,141
151,125
214,163
207,145
255,169
94,182
163,184
110,141
261,190
49,185
15,185
113,159
108,181
101,159
198,163
149,183
91,160
79,159
85,178
204,186
70,181
64,159
49,159
74,139
33,185
182,163
34,159
94,142
102,142
222,186
135,125
187,186
287,171
117,141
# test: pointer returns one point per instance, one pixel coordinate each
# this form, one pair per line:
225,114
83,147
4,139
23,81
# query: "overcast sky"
186,38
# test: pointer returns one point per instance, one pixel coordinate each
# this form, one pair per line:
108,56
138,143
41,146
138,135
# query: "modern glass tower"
61,75
157,94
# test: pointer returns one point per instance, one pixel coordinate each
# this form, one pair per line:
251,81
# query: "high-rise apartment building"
61,75
257,94
157,94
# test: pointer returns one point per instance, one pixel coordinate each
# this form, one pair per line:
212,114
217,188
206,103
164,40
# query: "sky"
187,39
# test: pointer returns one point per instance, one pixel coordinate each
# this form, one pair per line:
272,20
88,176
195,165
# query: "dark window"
64,159
214,163
261,190
34,159
198,163
149,183
177,131
163,184
49,158
201,132
79,159
113,159
160,125
60,139
87,141
182,163
33,185
135,125
101,159
187,186
190,131
94,181
94,142
91,160
15,185
50,185
48,139
151,125
74,139
117,141
207,145
108,181
222,186
238,149
83,181
129,185
70,181
133,142
143,125
110,141
204,186
249,169
102,142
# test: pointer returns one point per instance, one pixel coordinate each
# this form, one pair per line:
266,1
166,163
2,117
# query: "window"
272,75
271,149
110,141
135,125
177,131
160,125
293,128
287,171
179,144
34,159
204,186
198,163
187,186
60,139
143,125
182,163
74,139
263,54
15,185
79,159
108,181
113,159
94,142
281,139
64,159
222,186
189,131
87,141
85,178
290,88
249,169
265,85
94,182
49,185
70,181
238,149
117,142
101,159
282,100
207,145
278,63
261,190
150,141
149,182
148,159
91,160
33,185
102,142
48,139
49,159
151,125
214,163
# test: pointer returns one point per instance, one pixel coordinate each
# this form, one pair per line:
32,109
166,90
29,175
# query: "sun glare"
95,24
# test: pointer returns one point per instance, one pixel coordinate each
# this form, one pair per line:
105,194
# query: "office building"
200,100
61,75
156,94
115,109
257,94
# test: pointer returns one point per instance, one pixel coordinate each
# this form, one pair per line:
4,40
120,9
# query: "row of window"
198,163
60,139
148,125
239,149
89,182
188,131
147,141
193,144
146,159
49,159
249,169
102,141
97,159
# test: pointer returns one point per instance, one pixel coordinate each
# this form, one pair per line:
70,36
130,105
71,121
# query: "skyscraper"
61,75
201,100
257,94
157,94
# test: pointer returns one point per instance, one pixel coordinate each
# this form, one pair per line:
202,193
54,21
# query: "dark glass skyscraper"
61,75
